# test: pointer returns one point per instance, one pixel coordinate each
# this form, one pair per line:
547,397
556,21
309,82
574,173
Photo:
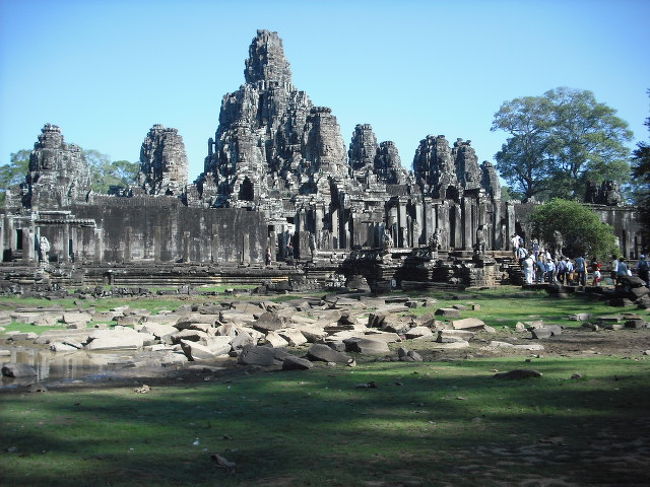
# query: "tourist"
550,270
522,253
561,271
290,251
268,256
643,269
515,245
595,268
528,269
581,270
535,248
614,269
621,270
541,268
569,270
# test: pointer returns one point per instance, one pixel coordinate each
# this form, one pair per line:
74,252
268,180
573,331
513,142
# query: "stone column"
66,242
468,229
429,219
510,223
214,241
29,254
336,231
99,245
403,226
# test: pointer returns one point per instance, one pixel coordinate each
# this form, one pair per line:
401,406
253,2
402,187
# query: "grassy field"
425,424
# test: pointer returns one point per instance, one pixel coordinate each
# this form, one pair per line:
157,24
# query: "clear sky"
106,71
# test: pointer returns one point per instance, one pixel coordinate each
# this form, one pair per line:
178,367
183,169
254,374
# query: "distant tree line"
104,172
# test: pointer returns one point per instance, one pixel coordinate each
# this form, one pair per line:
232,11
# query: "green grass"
444,424
505,306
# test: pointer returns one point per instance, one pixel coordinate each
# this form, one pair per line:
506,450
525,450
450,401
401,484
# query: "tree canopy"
583,231
104,172
14,172
641,175
559,141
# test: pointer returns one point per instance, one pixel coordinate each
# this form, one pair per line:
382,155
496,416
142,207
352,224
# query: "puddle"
64,366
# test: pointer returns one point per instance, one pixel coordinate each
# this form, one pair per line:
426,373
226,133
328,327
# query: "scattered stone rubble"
290,335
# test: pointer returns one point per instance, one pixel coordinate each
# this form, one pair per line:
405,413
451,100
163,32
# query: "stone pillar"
458,234
468,228
429,219
319,213
403,226
336,232
510,223
66,242
496,227
99,245
29,254
3,245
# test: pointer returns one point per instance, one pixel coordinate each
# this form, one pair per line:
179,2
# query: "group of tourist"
543,265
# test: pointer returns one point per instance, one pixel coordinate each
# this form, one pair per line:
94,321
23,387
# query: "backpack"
643,265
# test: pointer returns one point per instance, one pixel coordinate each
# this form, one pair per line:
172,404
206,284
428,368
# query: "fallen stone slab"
506,345
406,355
450,346
518,374
467,323
62,347
188,334
383,336
293,336
76,317
417,332
196,351
263,356
448,312
275,340
242,339
187,321
115,340
19,335
18,370
268,321
217,345
366,346
579,317
296,363
156,329
324,353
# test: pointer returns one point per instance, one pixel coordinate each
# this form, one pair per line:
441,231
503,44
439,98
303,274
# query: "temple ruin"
278,181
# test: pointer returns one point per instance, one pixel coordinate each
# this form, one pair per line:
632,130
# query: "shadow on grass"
424,421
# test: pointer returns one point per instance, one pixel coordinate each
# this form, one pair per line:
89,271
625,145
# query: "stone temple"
278,181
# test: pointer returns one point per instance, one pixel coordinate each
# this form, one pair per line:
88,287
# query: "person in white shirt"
528,269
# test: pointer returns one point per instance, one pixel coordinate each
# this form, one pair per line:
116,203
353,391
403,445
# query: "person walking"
643,269
569,270
595,268
581,270
622,270
614,269
550,271
528,264
515,245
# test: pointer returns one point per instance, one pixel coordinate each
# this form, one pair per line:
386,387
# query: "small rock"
576,376
143,389
36,388
367,385
518,374
296,363
223,462
18,370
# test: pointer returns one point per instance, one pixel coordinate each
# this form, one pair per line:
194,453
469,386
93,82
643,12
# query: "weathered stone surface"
448,312
366,346
18,370
275,340
296,363
418,331
269,321
467,323
451,345
264,356
124,339
196,351
324,353
163,162
293,337
506,345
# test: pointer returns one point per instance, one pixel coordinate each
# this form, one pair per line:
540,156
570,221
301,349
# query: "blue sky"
106,71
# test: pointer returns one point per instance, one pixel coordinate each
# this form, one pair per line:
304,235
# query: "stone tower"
58,173
163,162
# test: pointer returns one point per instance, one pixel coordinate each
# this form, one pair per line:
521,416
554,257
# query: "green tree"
583,231
560,140
14,172
106,173
641,177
